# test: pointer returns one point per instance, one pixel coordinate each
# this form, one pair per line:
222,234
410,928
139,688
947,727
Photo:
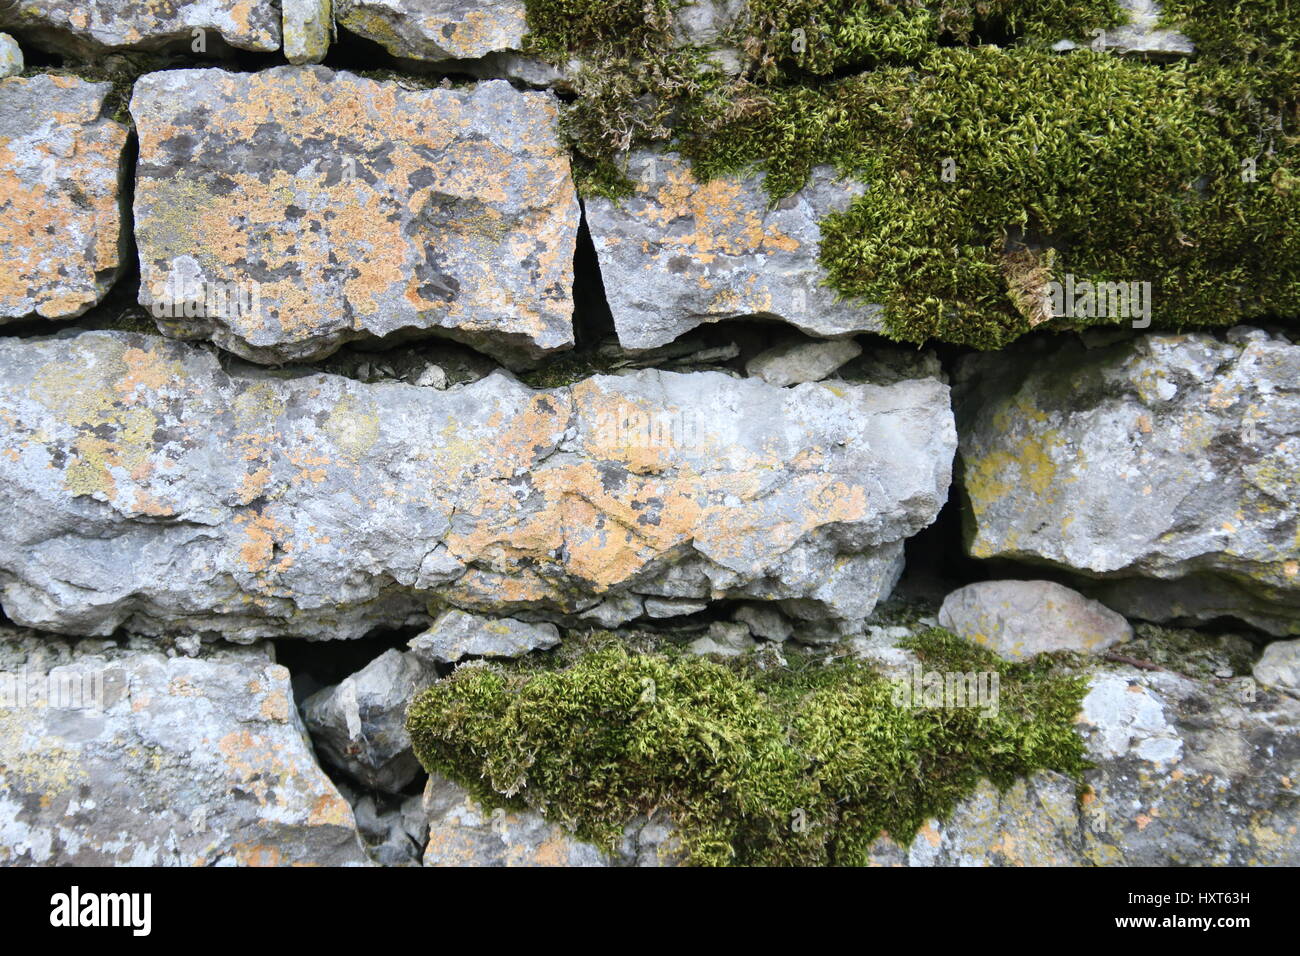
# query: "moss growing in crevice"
800,765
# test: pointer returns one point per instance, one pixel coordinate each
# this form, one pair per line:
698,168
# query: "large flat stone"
154,489
359,208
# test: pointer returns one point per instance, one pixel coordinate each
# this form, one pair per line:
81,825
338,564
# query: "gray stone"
1163,467
1020,619
11,56
672,607
61,196
725,639
437,29
797,362
308,29
160,761
456,635
765,622
359,725
679,253
153,489
89,27
431,210
1279,666
464,833
1188,773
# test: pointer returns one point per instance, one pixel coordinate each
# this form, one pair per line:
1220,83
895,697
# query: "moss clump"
992,172
795,766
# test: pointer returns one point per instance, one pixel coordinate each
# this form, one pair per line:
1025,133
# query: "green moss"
802,765
991,171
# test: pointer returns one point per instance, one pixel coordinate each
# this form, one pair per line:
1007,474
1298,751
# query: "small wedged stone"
286,212
679,253
1020,619
116,755
793,363
87,28
62,166
308,29
456,635
11,57
1160,470
155,489
359,725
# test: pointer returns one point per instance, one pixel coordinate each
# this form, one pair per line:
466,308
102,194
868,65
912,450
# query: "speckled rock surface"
1188,773
1019,619
154,489
308,29
87,27
61,195
359,725
357,207
1166,465
679,253
455,635
437,29
132,757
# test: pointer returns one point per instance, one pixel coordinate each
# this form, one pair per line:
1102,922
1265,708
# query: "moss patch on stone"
992,172
800,765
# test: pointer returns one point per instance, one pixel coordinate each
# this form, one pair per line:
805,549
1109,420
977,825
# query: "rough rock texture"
1019,619
11,56
455,635
463,833
61,195
1279,666
160,761
1187,774
87,27
437,29
796,362
1167,463
153,489
357,207
308,29
359,725
679,253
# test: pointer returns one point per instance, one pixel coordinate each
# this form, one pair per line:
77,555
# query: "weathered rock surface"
437,29
1020,619
11,57
359,725
153,489
1279,666
456,635
61,194
1187,774
461,832
794,362
308,29
331,207
679,253
87,27
1166,465
121,755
